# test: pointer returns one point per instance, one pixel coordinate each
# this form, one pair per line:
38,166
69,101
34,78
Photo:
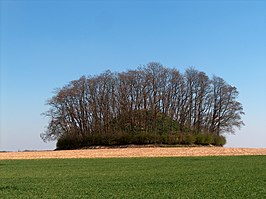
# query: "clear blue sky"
45,44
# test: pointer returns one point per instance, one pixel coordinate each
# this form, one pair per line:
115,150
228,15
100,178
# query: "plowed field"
135,152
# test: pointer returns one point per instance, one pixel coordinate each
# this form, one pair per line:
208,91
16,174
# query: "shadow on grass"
8,187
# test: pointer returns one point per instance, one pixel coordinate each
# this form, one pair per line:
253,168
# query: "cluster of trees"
149,105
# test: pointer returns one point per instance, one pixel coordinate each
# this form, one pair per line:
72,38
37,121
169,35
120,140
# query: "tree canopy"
151,100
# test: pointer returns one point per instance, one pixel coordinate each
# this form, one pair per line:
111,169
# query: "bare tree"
153,99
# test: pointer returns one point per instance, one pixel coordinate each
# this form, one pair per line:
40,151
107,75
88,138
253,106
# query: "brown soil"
135,152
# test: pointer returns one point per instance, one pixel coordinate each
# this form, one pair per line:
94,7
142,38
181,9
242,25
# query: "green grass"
193,177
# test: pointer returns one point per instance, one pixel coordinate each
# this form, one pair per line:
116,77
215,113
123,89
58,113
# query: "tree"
153,101
226,111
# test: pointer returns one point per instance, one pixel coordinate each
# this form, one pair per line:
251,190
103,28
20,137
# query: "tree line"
152,104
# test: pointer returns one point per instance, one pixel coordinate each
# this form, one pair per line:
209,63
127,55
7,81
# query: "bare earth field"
135,152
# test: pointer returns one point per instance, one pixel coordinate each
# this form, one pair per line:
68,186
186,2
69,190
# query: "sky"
45,44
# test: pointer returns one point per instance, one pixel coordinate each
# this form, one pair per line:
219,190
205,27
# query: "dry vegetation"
135,152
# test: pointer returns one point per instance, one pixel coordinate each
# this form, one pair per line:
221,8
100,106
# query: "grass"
193,177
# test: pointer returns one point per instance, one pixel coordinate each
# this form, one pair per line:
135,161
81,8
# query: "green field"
193,177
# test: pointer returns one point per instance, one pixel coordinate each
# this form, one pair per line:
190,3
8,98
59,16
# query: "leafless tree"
152,99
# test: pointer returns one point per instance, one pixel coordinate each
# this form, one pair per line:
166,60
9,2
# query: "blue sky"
46,44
